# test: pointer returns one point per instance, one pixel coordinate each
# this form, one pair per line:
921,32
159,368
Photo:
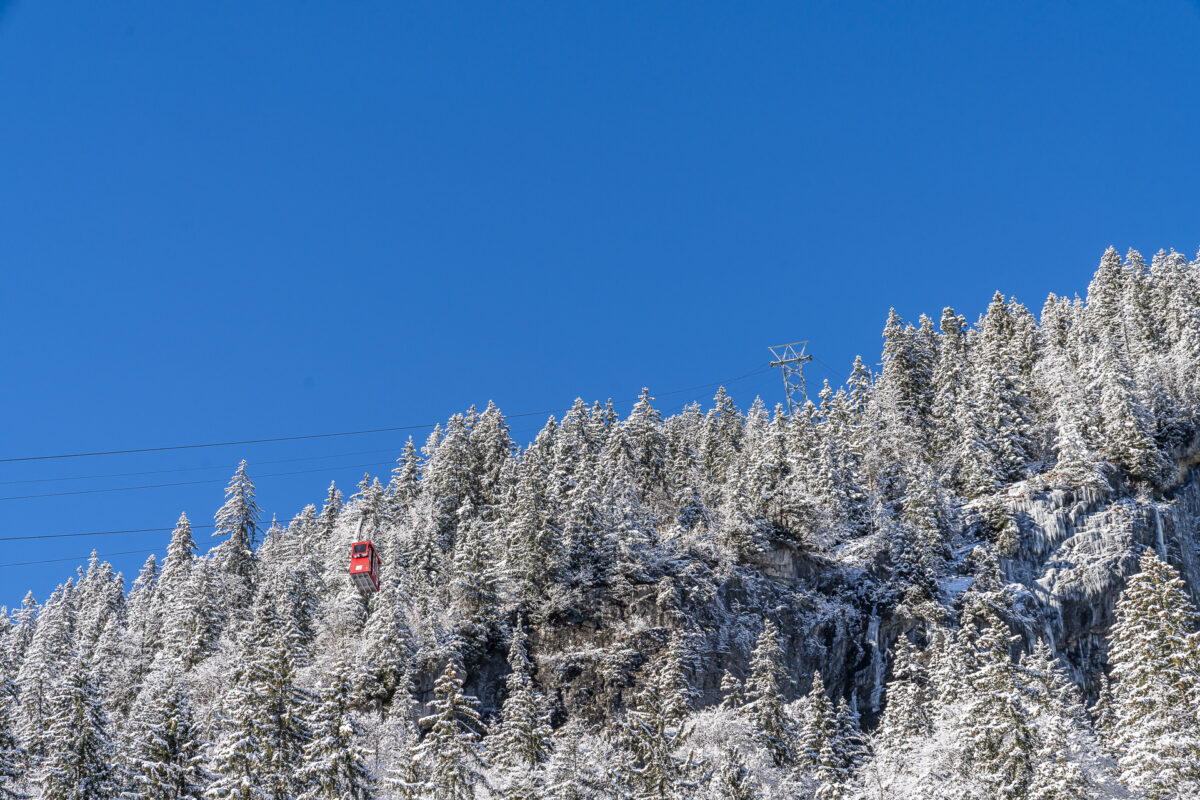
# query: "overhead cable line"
832,372
96,533
310,436
78,559
187,483
194,469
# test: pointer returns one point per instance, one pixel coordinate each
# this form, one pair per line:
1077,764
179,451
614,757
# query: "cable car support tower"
790,359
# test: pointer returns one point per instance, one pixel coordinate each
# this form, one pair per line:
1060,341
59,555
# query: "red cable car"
364,567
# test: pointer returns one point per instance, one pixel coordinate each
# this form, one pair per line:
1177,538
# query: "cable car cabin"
364,567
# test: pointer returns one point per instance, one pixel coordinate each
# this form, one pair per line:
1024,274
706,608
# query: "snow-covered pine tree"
898,404
233,559
996,732
572,773
335,764
331,509
521,742
239,517
818,726
1154,669
47,658
950,386
99,596
493,448
732,693
1064,736
181,552
733,781
644,432
653,731
997,389
405,485
450,756
235,755
12,755
79,756
193,615
1059,382
1125,422
907,713
764,697
264,729
20,634
163,756
402,777
473,587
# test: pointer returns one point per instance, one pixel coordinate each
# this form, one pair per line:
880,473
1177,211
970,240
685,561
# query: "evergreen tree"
1062,729
521,741
193,621
652,732
98,597
181,553
573,773
239,517
474,594
765,697
164,754
79,757
818,726
906,716
12,755
334,762
16,641
450,755
734,781
1124,420
264,730
1154,671
405,484
331,509
46,659
238,520
403,774
732,694
997,734
996,386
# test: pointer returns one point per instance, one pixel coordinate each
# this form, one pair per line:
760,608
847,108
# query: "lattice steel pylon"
791,362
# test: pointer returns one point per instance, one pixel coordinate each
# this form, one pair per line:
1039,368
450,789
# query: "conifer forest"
971,572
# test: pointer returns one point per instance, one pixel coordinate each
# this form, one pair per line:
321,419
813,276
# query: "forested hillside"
970,572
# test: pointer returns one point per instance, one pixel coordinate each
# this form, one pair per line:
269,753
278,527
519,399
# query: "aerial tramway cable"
309,436
189,483
197,469
77,558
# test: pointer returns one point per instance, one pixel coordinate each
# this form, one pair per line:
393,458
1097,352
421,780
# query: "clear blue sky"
238,219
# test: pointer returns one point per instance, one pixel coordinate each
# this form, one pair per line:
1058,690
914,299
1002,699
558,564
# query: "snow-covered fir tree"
773,729
80,763
334,763
1155,667
163,756
521,742
450,756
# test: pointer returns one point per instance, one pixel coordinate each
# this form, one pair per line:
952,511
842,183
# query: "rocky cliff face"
1075,550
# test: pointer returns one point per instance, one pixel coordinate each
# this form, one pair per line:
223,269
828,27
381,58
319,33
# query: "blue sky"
241,220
